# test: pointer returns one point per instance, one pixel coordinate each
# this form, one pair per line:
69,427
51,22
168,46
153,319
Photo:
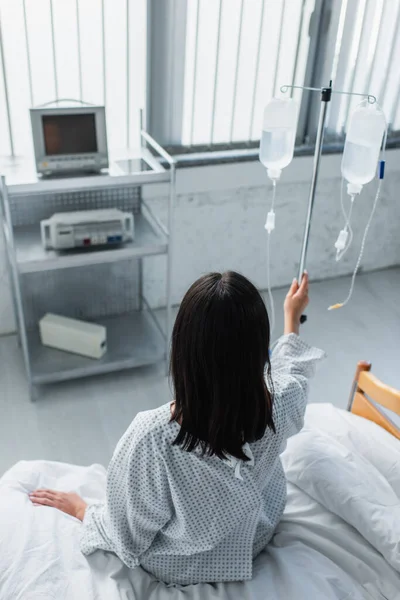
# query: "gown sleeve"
293,364
138,501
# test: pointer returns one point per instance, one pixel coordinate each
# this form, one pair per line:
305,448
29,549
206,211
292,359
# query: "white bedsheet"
339,538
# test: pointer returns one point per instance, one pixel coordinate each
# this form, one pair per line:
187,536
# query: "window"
233,55
202,69
367,60
238,54
91,50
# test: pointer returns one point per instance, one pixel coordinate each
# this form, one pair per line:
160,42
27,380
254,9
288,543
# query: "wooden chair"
369,395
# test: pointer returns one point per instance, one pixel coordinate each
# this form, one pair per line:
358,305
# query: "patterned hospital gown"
188,518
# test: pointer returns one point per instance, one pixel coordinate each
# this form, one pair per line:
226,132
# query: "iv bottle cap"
274,173
354,188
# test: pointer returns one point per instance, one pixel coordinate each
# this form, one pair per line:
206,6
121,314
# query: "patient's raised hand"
67,502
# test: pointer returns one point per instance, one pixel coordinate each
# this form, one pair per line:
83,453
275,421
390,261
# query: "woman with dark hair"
196,488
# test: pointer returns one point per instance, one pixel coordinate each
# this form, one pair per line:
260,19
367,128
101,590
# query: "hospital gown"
188,518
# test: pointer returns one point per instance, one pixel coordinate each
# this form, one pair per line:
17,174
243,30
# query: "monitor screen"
69,134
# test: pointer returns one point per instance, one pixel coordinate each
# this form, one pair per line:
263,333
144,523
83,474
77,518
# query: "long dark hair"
219,365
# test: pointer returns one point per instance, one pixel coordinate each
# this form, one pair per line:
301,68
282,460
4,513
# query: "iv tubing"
349,295
347,225
270,296
273,194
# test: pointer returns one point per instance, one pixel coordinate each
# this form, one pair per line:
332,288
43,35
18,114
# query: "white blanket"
339,538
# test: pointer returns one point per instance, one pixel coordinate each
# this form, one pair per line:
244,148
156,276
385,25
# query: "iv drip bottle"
362,146
278,135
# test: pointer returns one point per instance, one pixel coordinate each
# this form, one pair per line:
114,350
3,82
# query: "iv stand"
326,94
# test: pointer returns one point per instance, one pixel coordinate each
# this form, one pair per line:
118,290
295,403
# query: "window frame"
166,35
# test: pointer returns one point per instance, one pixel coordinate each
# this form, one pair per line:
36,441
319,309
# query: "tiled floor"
81,421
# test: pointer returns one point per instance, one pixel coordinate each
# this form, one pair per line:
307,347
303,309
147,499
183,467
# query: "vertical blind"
238,54
367,60
91,50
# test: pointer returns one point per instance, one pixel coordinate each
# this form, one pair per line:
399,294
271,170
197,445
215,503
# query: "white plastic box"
71,335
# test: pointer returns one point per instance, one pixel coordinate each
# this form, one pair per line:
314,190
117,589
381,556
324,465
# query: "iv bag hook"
284,88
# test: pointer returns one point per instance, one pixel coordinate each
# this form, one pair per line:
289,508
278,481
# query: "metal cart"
102,285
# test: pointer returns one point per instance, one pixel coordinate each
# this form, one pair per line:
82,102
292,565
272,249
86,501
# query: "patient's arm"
138,502
293,363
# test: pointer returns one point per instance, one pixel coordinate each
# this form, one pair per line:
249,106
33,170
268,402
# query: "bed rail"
369,396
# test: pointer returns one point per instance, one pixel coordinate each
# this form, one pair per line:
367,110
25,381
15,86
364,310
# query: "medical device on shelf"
276,152
87,228
69,139
71,335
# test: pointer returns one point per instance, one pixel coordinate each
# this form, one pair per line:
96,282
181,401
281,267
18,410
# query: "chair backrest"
369,395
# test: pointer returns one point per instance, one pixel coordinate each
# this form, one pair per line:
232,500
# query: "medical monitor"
68,140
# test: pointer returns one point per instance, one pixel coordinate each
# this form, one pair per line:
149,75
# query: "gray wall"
223,227
219,224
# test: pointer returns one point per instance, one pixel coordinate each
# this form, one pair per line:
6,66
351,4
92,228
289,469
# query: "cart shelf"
32,257
133,340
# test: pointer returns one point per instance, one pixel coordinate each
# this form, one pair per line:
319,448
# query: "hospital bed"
339,538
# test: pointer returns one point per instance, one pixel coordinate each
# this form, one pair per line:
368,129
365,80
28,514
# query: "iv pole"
326,94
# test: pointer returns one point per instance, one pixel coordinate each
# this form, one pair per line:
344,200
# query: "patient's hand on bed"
70,503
